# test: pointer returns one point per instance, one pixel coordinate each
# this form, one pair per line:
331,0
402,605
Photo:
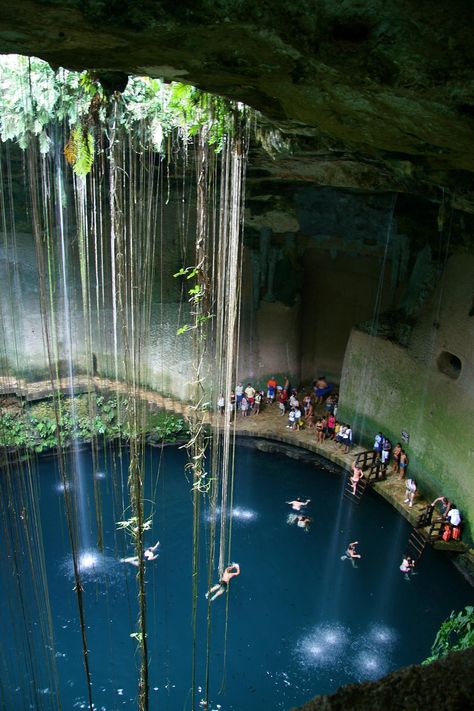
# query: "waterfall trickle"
78,483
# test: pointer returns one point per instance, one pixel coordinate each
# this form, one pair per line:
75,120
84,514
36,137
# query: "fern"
79,151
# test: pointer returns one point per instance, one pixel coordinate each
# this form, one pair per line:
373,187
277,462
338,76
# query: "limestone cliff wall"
426,390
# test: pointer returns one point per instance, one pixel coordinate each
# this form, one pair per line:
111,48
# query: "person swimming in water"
351,553
148,554
407,567
304,522
221,587
298,504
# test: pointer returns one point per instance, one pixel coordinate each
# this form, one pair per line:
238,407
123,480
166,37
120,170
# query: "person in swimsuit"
403,463
351,553
357,475
148,554
220,588
298,504
304,522
319,431
397,450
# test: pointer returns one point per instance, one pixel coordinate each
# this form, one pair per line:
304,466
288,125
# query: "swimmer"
356,477
148,554
221,587
351,553
304,522
407,566
298,504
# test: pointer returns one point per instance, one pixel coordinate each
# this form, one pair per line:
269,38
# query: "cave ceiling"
374,95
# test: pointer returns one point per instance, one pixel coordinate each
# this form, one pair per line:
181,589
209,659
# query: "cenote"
270,194
299,621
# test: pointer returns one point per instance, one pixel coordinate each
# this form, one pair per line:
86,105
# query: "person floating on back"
298,503
148,554
221,587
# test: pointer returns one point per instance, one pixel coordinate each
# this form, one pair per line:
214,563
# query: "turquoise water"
301,621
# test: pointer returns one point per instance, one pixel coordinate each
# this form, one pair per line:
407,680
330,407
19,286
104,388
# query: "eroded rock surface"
448,683
376,94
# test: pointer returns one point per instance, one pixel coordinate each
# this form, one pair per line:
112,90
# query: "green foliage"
196,295
456,633
33,98
35,428
79,150
167,427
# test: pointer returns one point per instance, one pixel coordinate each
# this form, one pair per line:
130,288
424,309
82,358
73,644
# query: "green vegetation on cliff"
35,429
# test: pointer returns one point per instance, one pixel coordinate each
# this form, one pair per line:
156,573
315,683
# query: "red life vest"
456,533
447,533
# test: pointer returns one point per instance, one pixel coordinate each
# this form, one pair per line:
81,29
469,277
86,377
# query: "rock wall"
426,390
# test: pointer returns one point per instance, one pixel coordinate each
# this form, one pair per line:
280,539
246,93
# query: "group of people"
299,407
449,514
447,510
383,448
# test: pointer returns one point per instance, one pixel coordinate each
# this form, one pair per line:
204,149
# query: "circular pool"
301,619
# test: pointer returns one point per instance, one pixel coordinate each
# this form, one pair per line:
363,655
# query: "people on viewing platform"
271,390
410,491
386,449
321,388
306,410
282,400
239,392
453,516
403,463
250,394
221,404
378,442
397,450
257,403
444,505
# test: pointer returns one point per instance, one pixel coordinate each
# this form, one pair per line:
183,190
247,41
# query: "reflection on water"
94,567
60,487
239,514
362,656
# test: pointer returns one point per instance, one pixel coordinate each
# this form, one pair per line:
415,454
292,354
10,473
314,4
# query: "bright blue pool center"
300,620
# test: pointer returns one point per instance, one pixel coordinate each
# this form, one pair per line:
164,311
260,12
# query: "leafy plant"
456,633
34,97
79,150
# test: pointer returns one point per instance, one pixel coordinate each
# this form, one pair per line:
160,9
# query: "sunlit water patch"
382,634
240,514
60,487
361,656
323,646
94,567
